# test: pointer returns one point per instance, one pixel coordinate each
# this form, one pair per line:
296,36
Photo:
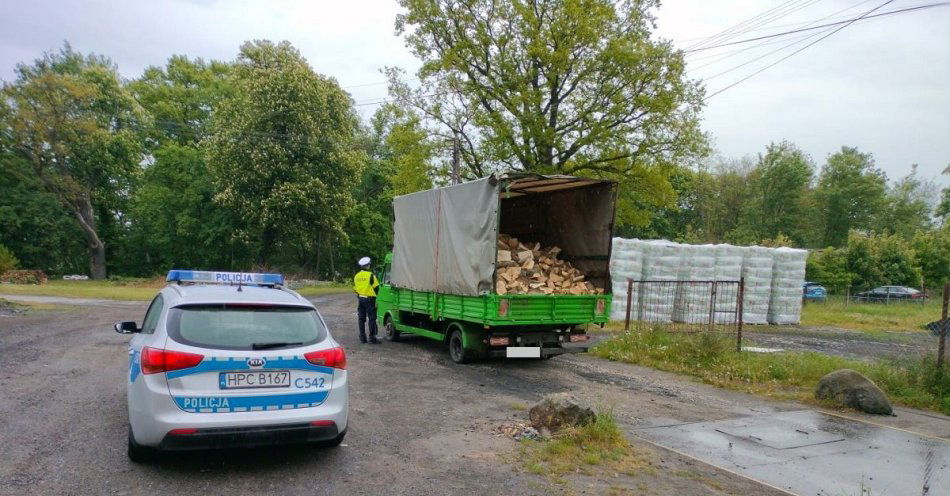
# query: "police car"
232,359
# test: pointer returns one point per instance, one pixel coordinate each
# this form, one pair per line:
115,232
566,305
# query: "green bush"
7,260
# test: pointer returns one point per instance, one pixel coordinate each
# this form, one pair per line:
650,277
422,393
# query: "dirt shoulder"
842,342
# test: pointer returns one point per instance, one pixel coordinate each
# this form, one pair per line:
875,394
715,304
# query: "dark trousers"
367,310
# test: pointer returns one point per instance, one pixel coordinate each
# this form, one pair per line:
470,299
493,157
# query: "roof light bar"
208,277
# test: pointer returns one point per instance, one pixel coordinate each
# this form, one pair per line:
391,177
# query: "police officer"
365,284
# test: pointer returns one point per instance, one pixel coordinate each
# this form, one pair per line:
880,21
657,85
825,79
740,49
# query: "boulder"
559,410
852,389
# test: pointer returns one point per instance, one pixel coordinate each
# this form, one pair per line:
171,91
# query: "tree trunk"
97,261
319,246
267,244
82,209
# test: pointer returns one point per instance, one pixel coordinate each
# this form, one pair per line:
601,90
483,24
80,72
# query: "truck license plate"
256,379
524,352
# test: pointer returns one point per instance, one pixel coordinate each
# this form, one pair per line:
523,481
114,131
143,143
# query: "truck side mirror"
127,327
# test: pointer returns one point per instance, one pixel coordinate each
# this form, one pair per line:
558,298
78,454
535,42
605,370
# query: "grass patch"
589,449
135,289
323,289
121,289
898,316
789,375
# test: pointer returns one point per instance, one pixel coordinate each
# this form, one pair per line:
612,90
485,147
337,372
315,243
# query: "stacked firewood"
530,269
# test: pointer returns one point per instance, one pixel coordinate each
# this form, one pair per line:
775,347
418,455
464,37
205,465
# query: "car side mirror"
127,327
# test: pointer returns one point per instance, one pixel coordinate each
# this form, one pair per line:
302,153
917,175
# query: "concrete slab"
811,453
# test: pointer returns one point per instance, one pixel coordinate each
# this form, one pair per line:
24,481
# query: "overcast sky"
882,85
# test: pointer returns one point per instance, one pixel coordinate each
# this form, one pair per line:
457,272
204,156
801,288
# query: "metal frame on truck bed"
440,280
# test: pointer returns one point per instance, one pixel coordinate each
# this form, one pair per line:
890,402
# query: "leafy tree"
175,222
932,255
283,150
182,96
35,225
943,209
569,87
404,148
908,207
675,221
781,184
830,268
173,219
69,116
726,192
8,261
895,262
850,192
860,262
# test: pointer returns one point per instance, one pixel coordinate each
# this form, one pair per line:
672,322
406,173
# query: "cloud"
880,85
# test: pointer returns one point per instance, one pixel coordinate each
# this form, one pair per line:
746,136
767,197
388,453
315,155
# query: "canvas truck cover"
444,239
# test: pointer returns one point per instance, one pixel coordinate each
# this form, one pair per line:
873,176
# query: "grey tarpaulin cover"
444,239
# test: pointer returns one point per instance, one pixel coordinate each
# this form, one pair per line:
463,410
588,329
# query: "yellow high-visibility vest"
365,283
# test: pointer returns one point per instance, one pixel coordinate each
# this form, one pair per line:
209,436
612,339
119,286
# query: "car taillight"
334,357
155,361
499,341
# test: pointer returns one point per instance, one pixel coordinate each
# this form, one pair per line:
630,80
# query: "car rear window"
240,327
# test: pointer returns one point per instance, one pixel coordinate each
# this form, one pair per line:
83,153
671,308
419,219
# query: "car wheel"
392,334
456,349
138,453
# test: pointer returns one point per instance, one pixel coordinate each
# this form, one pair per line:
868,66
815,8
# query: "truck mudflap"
544,352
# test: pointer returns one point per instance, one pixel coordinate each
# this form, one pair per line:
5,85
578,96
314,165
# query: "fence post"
739,317
945,327
626,323
712,307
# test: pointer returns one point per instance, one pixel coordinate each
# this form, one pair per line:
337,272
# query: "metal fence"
685,306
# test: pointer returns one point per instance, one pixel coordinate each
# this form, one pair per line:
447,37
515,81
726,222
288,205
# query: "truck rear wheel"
456,346
392,334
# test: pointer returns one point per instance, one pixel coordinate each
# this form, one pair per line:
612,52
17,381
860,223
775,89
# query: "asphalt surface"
419,424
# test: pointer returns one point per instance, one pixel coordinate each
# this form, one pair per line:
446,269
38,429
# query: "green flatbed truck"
439,281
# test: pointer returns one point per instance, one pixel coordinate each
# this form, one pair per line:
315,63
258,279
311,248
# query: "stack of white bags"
626,264
788,275
773,281
692,300
757,271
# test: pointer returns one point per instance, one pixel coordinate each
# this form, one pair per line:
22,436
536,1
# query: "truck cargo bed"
508,310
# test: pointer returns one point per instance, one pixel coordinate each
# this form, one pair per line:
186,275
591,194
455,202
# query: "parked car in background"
884,294
812,291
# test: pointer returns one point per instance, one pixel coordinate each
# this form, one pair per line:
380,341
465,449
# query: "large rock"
853,389
559,410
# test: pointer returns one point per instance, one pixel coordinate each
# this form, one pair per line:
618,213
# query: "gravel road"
419,423
844,343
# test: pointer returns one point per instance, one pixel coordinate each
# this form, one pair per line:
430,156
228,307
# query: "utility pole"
455,159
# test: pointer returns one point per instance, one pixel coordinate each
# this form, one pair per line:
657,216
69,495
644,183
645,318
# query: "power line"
749,24
773,64
733,53
846,22
788,24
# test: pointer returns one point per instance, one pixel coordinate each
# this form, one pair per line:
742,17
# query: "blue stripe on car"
134,367
217,404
